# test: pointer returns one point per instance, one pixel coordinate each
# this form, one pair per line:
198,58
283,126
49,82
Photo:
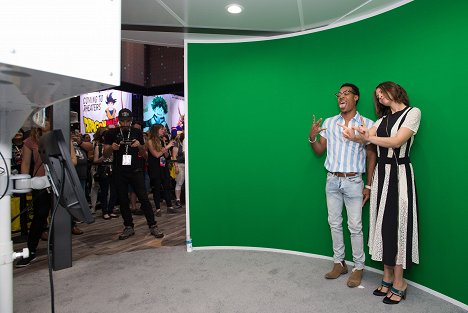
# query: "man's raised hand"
316,128
348,132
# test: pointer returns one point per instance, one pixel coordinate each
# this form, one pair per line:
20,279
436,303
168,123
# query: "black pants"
107,188
137,179
160,175
42,203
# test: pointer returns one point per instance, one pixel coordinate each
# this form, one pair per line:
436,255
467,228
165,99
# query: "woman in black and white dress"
393,233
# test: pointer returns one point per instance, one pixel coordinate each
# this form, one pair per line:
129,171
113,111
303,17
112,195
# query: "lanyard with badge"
126,158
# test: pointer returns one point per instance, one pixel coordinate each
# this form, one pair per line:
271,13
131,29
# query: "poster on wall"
168,110
100,109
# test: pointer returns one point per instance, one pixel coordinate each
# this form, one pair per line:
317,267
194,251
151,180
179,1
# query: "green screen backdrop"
253,179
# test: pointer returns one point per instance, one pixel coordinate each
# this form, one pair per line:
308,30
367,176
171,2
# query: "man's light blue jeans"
347,190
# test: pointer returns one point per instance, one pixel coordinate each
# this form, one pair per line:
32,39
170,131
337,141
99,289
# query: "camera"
127,142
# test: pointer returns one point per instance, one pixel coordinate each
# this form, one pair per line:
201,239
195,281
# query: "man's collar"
356,117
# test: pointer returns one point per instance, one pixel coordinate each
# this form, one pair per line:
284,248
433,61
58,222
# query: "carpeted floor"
168,279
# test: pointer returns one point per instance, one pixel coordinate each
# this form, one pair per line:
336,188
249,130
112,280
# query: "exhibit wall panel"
253,179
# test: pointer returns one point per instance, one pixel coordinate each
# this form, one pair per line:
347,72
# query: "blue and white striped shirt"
344,155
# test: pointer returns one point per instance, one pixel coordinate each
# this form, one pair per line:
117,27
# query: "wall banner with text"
100,109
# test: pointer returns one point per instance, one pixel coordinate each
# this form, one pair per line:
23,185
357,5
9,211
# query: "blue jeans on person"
347,191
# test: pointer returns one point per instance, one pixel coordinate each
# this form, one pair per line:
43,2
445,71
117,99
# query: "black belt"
385,160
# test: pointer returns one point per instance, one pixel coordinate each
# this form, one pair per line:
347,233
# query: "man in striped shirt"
345,163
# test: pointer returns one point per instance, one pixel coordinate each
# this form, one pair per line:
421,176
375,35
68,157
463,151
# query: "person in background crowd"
132,195
95,190
86,138
81,151
345,163
136,124
125,144
17,156
178,155
393,233
107,194
158,157
147,178
42,198
16,159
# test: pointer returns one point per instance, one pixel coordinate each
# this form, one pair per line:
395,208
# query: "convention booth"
254,182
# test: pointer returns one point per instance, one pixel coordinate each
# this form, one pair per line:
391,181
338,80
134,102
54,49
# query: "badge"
126,159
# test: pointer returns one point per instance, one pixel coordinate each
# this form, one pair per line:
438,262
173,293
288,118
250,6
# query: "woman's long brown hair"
154,136
392,91
35,134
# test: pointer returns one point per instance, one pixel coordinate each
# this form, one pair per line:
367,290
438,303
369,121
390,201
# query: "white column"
6,245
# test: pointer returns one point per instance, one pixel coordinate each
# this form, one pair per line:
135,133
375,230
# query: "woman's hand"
350,132
362,130
365,195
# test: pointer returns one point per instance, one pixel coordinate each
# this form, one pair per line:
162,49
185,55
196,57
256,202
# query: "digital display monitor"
55,154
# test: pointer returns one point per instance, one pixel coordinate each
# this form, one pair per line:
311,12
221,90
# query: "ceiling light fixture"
234,8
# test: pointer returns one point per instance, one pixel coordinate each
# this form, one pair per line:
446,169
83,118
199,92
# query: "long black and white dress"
393,230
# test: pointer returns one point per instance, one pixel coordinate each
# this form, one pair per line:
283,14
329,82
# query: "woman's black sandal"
396,292
383,284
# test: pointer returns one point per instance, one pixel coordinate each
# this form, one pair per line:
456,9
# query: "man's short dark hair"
354,88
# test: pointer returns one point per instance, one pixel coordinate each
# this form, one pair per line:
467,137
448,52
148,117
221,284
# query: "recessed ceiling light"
234,8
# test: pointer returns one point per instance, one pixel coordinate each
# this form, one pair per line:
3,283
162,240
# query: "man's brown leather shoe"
354,279
338,269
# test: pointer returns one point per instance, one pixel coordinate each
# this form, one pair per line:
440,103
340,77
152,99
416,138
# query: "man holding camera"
126,144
